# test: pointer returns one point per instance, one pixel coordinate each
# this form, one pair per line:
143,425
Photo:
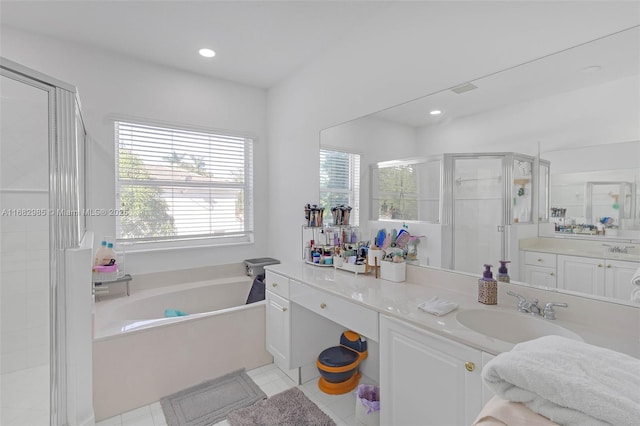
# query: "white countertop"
401,300
583,248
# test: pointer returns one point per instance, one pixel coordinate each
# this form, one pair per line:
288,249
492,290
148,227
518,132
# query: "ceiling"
253,39
597,62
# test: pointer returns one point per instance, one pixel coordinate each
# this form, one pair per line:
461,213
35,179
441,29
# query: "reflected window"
398,192
340,182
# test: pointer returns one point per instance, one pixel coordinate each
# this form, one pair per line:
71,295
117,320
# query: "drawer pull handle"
608,266
323,305
552,274
284,309
469,366
539,260
599,265
275,284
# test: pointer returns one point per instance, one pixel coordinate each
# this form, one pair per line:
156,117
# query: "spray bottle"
503,273
488,287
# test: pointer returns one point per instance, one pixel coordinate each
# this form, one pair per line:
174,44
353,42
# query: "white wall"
110,85
415,49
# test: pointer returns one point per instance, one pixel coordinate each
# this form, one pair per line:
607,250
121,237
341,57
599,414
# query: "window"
178,184
340,182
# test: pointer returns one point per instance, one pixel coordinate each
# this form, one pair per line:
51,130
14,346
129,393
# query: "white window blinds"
340,182
177,184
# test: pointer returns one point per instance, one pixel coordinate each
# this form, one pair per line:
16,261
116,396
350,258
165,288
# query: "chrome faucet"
531,307
549,313
534,309
522,302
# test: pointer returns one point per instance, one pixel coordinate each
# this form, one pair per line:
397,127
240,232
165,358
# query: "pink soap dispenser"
488,287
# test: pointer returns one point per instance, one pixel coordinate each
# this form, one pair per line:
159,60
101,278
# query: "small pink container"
106,268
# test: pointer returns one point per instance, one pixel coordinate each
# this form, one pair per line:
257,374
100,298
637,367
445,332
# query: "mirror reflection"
569,124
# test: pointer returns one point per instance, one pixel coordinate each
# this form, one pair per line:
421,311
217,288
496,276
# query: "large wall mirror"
571,119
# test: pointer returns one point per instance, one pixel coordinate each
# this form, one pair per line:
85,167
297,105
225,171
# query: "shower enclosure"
482,202
490,201
42,270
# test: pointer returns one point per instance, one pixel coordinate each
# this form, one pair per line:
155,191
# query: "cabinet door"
539,276
618,276
426,379
278,329
581,274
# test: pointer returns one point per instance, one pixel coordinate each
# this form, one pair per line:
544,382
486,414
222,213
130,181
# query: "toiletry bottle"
111,254
101,254
503,273
488,287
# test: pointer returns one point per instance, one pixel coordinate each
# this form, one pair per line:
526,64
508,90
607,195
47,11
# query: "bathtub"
140,356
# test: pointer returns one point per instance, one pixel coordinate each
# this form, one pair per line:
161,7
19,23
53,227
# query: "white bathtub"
140,356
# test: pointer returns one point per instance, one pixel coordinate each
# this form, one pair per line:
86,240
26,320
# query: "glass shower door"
24,254
478,222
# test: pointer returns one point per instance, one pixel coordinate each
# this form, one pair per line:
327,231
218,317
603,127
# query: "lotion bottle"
503,273
488,287
101,254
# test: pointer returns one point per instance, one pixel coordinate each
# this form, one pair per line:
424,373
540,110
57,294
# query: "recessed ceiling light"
435,112
207,53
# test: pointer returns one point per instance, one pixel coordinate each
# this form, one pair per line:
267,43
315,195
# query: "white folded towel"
635,294
635,280
438,307
570,382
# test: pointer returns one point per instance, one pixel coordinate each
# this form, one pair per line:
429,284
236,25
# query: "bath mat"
288,408
211,401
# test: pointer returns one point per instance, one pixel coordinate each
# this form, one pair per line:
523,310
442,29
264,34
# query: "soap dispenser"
503,273
488,287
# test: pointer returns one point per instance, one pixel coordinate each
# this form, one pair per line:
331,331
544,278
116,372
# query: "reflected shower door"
478,198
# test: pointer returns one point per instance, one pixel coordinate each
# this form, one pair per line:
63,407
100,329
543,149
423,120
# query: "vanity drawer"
348,314
535,258
278,284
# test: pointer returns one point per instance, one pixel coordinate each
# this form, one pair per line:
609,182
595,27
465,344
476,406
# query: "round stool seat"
337,356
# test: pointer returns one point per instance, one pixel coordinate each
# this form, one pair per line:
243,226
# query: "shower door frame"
63,230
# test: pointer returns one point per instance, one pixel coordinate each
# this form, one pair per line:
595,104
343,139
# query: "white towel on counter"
569,382
437,306
635,280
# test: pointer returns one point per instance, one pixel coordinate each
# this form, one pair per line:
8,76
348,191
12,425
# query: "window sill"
163,246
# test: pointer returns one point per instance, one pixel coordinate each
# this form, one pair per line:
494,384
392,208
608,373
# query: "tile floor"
25,397
341,408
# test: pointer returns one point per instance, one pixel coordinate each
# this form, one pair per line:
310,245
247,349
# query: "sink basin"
512,327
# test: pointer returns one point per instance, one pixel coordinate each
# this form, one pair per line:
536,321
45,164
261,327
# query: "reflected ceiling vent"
464,88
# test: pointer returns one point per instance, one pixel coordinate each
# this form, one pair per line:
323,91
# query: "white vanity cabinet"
296,331
581,274
426,379
592,275
617,278
539,269
602,277
278,324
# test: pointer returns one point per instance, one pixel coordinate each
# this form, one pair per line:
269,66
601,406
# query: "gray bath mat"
211,401
288,408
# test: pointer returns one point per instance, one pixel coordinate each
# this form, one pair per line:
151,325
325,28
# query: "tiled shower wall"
24,274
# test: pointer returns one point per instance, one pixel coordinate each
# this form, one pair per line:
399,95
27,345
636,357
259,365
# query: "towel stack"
635,293
570,382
